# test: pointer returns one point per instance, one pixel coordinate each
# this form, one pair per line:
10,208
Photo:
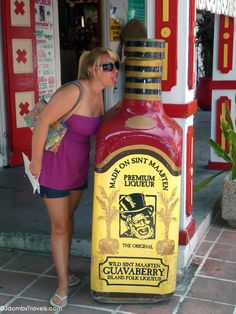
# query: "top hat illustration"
134,204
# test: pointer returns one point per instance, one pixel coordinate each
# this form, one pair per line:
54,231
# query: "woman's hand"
35,168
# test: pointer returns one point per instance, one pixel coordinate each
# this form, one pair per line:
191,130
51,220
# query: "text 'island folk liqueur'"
137,188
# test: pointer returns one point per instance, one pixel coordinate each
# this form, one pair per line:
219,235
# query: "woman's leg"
59,213
74,199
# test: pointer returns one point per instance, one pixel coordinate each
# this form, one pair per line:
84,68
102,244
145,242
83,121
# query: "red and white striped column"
223,81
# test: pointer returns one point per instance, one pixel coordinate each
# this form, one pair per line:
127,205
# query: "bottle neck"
143,85
143,79
143,71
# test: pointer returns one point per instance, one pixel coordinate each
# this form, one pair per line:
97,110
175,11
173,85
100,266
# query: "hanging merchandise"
115,26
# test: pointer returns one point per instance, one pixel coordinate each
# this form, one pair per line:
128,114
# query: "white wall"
112,96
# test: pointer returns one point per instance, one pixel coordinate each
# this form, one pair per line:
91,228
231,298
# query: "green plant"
228,153
204,40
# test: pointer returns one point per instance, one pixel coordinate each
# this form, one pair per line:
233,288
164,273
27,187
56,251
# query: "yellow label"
115,29
135,222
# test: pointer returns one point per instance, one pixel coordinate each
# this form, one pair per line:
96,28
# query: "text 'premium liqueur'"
137,188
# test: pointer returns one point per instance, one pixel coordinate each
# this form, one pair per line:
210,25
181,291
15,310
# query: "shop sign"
45,47
115,29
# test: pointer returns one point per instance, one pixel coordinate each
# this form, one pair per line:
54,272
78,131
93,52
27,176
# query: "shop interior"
79,31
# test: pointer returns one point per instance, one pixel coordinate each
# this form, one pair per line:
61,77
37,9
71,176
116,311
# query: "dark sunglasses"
108,67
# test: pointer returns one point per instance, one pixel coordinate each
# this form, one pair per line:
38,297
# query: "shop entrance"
79,26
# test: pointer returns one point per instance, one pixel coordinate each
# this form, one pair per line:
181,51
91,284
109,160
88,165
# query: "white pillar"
176,26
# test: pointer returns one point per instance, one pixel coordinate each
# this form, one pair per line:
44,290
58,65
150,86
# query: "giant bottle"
137,188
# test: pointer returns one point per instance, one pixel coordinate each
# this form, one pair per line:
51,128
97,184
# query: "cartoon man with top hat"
138,217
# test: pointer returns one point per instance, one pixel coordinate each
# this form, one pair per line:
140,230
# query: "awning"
224,7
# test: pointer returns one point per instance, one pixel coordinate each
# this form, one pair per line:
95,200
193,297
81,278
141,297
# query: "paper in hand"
34,182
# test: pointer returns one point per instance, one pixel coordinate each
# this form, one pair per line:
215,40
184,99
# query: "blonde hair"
91,59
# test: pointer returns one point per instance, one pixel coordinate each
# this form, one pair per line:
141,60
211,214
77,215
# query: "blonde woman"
63,175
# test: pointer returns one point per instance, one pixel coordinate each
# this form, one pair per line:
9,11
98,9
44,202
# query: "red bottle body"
163,133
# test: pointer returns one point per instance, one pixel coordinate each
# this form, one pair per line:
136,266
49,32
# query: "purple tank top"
68,168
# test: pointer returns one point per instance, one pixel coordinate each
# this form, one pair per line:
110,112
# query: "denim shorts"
53,193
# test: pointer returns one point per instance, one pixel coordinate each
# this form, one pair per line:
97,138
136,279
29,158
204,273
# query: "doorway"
79,27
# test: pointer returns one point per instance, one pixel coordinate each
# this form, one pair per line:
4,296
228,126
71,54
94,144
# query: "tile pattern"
208,284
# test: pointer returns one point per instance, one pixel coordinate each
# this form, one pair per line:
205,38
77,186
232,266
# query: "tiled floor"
28,280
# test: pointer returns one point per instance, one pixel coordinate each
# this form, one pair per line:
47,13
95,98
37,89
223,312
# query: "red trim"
187,234
191,44
5,13
166,17
223,84
189,171
181,110
213,165
219,112
226,41
19,137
